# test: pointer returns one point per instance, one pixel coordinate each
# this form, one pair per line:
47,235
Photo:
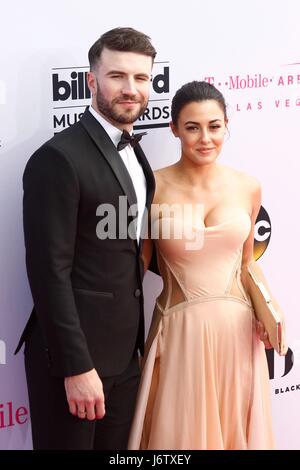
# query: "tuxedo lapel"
110,153
150,191
148,174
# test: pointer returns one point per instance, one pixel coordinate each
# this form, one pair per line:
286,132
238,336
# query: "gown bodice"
201,260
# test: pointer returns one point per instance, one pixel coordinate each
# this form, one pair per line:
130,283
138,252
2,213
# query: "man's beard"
107,109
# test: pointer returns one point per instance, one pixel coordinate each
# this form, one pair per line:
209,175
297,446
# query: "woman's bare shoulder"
164,173
250,182
247,181
164,179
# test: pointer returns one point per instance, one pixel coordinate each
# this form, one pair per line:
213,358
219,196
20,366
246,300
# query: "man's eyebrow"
119,72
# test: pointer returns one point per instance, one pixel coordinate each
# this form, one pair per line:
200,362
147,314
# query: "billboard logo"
161,81
2,352
76,88
71,96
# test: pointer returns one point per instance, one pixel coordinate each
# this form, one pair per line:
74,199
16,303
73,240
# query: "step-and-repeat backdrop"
249,51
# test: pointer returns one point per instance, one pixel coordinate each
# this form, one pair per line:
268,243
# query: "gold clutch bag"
265,310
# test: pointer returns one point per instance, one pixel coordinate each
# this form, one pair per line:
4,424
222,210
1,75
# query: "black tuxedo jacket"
87,291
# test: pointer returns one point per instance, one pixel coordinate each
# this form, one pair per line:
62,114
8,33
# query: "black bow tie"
127,139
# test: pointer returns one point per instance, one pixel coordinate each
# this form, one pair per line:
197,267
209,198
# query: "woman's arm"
248,256
248,248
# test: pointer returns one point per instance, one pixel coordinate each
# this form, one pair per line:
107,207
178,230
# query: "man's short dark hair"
121,39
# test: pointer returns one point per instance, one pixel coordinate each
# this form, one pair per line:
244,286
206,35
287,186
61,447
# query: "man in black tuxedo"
83,255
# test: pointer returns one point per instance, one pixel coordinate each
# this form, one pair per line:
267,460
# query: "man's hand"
85,395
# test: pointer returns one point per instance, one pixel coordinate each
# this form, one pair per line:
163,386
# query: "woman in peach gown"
205,382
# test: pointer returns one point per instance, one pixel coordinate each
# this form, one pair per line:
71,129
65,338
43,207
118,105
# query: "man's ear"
92,83
173,129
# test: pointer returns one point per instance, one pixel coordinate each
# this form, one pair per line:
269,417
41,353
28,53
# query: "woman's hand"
263,334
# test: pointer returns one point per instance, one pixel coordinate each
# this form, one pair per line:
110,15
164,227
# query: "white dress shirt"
132,165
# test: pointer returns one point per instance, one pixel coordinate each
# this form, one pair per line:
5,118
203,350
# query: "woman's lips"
205,150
